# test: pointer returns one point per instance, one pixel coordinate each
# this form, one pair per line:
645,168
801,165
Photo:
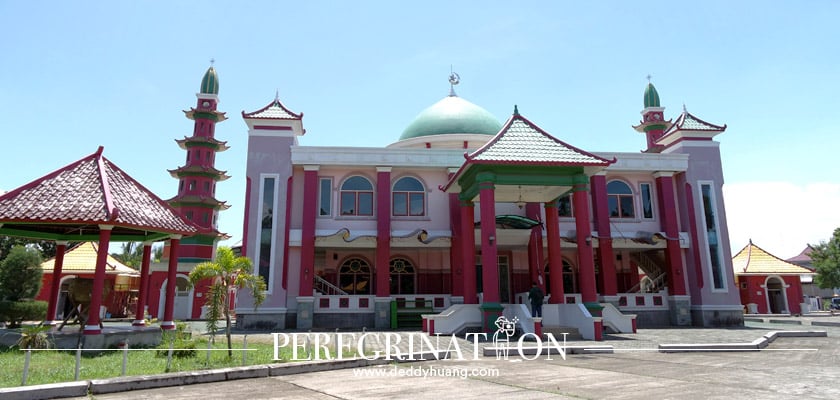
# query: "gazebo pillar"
55,286
140,310
93,320
490,306
171,277
555,257
468,251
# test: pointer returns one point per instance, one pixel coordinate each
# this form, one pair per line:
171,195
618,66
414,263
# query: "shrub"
16,312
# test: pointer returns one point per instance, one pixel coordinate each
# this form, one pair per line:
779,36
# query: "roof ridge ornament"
515,110
454,79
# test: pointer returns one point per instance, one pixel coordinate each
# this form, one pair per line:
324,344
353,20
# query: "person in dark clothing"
535,295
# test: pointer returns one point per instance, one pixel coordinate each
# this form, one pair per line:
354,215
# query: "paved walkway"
795,368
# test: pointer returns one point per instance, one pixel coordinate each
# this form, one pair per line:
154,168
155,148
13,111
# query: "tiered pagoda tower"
196,198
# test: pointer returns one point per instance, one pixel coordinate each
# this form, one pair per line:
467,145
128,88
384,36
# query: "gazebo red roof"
72,202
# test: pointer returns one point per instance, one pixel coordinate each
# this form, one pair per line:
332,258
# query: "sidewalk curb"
129,383
755,345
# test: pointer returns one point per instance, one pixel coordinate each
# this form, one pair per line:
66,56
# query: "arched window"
402,276
354,276
357,196
409,198
620,199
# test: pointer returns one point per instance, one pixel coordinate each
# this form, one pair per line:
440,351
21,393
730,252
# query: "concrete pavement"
800,368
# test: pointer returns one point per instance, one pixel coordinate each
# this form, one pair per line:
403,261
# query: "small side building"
768,284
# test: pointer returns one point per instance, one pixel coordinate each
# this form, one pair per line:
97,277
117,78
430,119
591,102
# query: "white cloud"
781,217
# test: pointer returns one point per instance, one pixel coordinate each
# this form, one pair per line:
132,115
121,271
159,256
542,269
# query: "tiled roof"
90,191
754,260
688,122
82,259
522,142
275,110
803,257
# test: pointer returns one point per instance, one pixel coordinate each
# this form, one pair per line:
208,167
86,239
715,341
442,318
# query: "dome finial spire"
454,79
212,61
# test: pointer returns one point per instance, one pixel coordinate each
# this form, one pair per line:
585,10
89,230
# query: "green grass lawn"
59,366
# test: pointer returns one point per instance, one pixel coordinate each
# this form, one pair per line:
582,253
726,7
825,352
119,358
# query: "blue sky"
77,75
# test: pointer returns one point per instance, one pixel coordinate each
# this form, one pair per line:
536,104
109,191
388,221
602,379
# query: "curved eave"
214,115
75,231
188,172
206,202
198,141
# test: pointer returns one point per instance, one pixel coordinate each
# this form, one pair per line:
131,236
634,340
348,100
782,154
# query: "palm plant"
225,275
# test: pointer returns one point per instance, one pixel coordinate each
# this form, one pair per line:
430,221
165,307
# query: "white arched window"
620,198
357,196
409,198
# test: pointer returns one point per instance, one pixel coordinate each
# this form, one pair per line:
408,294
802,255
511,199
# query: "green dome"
210,82
651,96
452,115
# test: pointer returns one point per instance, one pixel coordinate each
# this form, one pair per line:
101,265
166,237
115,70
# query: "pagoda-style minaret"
653,123
196,198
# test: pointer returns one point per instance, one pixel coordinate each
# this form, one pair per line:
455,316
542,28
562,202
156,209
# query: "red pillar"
555,257
93,321
307,241
601,213
586,263
489,253
383,231
668,213
139,313
171,277
468,251
456,273
55,286
535,247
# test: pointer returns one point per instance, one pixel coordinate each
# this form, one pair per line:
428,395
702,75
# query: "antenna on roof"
454,79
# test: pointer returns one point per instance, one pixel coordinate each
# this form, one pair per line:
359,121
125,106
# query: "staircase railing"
327,288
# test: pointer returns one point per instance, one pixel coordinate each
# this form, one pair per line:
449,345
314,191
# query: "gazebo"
94,200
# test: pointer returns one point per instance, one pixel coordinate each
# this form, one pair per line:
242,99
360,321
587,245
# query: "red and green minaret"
196,198
653,123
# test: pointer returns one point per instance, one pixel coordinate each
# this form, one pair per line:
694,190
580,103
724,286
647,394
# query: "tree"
131,254
20,274
20,282
226,274
46,247
825,257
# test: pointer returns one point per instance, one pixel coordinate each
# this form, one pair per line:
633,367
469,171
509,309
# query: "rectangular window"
206,187
416,204
712,235
268,204
564,206
365,203
647,201
400,203
325,197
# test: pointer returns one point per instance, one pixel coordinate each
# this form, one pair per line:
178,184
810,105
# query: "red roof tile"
90,191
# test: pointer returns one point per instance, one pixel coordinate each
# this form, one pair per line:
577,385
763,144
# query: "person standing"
535,295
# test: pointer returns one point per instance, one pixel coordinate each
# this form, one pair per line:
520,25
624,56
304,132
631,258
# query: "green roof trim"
514,222
651,96
210,82
452,115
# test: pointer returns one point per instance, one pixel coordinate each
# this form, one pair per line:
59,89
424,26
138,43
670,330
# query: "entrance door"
183,299
775,297
504,278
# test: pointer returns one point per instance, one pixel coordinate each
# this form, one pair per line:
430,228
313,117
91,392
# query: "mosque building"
449,225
